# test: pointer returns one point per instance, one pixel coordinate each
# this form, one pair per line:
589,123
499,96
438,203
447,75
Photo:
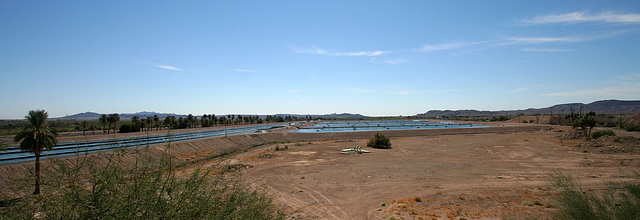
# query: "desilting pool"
350,126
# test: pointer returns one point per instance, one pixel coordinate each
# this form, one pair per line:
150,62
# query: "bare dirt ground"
473,173
474,176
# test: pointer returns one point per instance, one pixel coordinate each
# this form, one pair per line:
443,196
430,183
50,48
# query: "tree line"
138,124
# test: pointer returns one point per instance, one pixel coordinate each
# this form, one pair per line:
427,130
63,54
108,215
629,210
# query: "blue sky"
314,57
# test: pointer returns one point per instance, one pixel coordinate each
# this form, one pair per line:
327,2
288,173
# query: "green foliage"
126,128
584,121
500,118
631,127
603,133
621,200
117,187
36,138
379,141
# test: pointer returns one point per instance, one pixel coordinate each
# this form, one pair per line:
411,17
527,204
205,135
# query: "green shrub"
379,141
631,127
114,186
125,128
128,127
621,200
603,133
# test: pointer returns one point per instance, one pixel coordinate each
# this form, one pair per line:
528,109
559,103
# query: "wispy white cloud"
356,89
524,89
630,77
396,61
167,67
360,53
542,40
320,51
400,92
307,50
448,46
623,87
453,90
243,70
389,61
600,93
583,17
544,50
535,40
397,90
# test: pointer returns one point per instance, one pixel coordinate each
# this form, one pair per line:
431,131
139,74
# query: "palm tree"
135,120
35,138
189,120
156,121
149,123
113,119
84,125
103,119
92,127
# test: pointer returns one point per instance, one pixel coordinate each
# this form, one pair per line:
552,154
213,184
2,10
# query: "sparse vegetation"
379,141
125,128
584,121
631,127
92,188
603,133
621,200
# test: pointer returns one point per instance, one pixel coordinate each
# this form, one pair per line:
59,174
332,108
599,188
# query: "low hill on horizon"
599,107
94,115
144,114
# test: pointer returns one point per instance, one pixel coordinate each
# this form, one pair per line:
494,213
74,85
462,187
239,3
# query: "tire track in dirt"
326,204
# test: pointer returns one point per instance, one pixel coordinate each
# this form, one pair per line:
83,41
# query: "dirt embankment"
473,173
199,150
460,176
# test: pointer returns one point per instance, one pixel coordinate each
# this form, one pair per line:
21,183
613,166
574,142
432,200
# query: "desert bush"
631,127
278,148
609,124
621,200
379,141
603,133
393,217
112,187
499,118
125,128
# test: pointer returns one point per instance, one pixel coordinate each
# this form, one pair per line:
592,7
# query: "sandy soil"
486,176
475,173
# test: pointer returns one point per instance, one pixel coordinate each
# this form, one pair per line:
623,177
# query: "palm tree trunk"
37,190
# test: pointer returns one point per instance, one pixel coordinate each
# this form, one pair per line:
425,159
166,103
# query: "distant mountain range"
93,115
599,107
